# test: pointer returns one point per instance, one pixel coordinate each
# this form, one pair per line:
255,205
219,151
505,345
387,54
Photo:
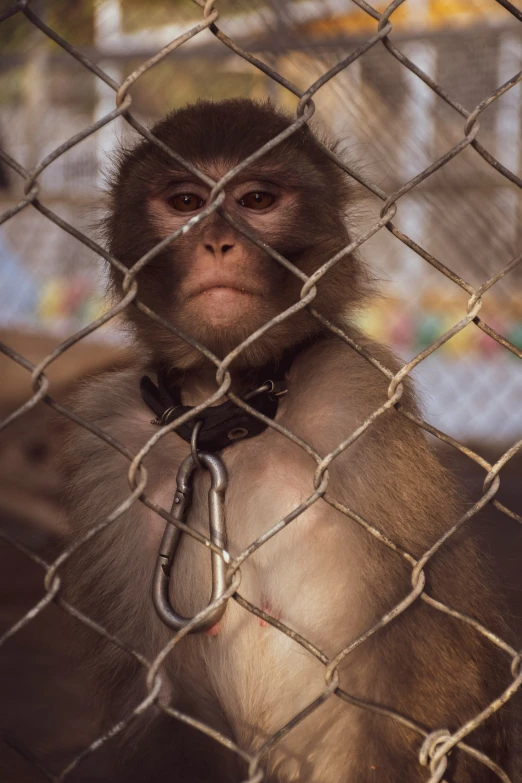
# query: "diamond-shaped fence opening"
440,209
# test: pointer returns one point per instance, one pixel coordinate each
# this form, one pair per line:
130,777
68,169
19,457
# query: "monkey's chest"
290,541
269,501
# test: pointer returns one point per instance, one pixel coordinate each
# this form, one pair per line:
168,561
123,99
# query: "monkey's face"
224,286
213,282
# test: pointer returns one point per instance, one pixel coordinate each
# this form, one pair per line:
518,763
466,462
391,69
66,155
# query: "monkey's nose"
219,248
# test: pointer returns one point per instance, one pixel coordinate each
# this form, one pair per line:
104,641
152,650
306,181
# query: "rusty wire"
436,745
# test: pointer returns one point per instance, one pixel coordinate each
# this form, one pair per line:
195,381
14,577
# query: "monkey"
323,575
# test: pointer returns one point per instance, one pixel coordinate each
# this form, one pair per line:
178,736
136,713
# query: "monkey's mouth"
222,304
221,290
225,288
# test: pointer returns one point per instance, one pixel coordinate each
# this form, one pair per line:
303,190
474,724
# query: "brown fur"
323,575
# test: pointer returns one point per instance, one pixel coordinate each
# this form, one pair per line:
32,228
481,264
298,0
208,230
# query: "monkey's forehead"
215,137
229,129
217,169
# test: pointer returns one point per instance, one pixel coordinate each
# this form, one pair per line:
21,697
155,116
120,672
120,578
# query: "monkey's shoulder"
96,457
107,395
109,405
343,376
334,390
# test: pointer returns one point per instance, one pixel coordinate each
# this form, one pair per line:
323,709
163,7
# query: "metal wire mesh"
436,745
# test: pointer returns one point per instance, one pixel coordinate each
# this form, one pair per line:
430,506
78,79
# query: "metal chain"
172,536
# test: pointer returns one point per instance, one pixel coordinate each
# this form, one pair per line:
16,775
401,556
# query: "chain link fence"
436,746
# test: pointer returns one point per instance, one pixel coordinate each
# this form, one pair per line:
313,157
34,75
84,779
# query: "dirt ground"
45,697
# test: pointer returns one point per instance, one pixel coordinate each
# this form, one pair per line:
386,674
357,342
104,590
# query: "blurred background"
392,126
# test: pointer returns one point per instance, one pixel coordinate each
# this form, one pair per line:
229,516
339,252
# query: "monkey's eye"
186,202
257,200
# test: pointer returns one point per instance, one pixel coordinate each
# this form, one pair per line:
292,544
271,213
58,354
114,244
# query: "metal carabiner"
172,537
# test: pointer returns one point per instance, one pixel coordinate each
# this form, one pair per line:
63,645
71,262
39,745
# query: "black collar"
223,424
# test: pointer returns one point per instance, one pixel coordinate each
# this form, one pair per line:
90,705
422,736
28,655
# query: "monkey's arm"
108,578
434,668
